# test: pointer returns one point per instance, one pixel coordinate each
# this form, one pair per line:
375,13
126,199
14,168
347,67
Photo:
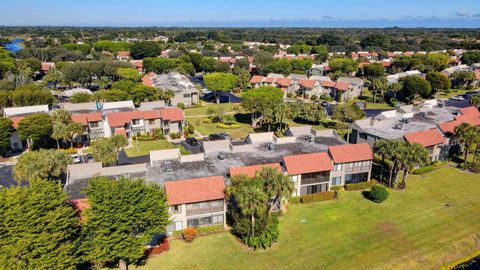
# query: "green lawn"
371,105
453,92
144,147
228,107
413,229
235,133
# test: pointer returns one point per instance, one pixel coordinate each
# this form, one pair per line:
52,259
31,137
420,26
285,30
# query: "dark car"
215,137
191,141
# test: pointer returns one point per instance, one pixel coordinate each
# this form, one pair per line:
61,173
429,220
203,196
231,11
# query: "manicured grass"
413,229
235,133
144,147
228,107
371,105
453,92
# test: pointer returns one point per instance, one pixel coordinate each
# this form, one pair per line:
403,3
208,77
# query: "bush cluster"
210,229
317,197
294,200
423,170
267,238
227,126
378,194
336,188
181,105
359,186
143,137
175,135
69,151
207,121
189,234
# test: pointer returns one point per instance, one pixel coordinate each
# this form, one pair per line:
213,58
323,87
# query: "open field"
144,147
235,133
435,221
202,111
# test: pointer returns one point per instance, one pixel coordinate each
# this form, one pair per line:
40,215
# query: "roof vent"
269,147
398,126
221,156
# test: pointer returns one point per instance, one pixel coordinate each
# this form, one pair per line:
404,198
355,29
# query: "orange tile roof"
81,205
351,152
148,79
124,53
16,120
119,119
121,131
307,83
426,137
269,80
477,74
285,82
256,79
471,111
250,171
342,86
137,63
172,114
46,66
85,118
195,190
152,114
308,163
328,84
449,127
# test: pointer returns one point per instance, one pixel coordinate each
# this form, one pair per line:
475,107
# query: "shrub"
378,194
210,229
306,96
359,186
294,200
227,126
190,128
290,95
473,166
336,188
267,238
317,197
181,105
423,170
207,121
314,97
70,151
326,97
175,135
158,134
438,163
143,137
189,234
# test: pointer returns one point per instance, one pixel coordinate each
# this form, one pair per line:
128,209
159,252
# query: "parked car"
191,141
324,104
89,158
215,137
459,98
76,158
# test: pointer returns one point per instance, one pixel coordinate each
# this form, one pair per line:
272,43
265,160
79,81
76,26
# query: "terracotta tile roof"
85,118
386,63
477,74
471,111
285,82
123,53
375,54
250,171
195,190
269,80
351,152
16,120
120,131
307,83
172,114
328,84
256,79
46,66
354,55
365,54
152,114
137,63
119,119
308,163
148,79
449,127
426,137
342,86
362,64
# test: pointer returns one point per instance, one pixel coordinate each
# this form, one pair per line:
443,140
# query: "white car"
76,158
459,98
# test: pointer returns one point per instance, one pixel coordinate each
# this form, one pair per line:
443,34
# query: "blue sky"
241,13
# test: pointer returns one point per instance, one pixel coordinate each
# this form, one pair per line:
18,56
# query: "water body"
14,45
474,264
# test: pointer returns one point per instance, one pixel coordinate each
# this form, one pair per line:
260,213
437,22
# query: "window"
218,219
338,167
175,226
362,135
136,122
176,209
186,95
151,122
336,181
93,124
356,178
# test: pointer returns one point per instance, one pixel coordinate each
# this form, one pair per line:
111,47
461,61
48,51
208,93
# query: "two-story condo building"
196,202
352,163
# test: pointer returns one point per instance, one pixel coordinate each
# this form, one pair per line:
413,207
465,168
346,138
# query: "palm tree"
250,197
277,185
167,96
411,156
476,141
59,133
466,135
74,129
475,100
389,150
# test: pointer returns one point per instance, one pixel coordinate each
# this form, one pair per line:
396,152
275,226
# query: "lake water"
14,45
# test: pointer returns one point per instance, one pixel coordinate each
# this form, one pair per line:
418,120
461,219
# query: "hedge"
317,197
294,200
210,229
359,186
336,188
378,194
225,126
423,170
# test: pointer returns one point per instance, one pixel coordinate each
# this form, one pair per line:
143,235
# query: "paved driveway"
6,178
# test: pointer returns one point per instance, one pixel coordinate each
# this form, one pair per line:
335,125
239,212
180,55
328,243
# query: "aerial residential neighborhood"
201,135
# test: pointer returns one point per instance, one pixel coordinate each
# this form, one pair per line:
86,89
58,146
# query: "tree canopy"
42,164
6,131
414,87
144,49
35,128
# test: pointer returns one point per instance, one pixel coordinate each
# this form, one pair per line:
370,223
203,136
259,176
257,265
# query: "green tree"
166,95
375,70
436,61
389,151
118,142
218,82
471,57
129,74
74,129
38,228
475,100
124,215
42,164
467,136
6,131
463,78
415,87
344,65
53,76
259,100
438,81
144,49
111,95
278,185
29,95
378,87
104,151
262,59
35,128
80,98
283,66
142,93
411,156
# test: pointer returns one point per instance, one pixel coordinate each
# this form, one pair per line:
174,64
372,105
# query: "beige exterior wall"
342,169
152,124
297,180
181,218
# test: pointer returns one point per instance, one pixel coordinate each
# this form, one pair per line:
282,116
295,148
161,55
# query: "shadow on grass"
243,118
367,195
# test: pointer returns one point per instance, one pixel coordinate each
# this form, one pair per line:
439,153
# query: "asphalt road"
6,178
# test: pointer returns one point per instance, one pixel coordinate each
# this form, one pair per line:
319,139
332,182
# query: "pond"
14,45
473,264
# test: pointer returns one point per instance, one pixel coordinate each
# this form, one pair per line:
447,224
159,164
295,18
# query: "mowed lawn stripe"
413,229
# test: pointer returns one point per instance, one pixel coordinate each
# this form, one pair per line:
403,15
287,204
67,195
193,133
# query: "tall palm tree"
476,141
411,155
250,197
466,135
167,96
277,185
389,150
